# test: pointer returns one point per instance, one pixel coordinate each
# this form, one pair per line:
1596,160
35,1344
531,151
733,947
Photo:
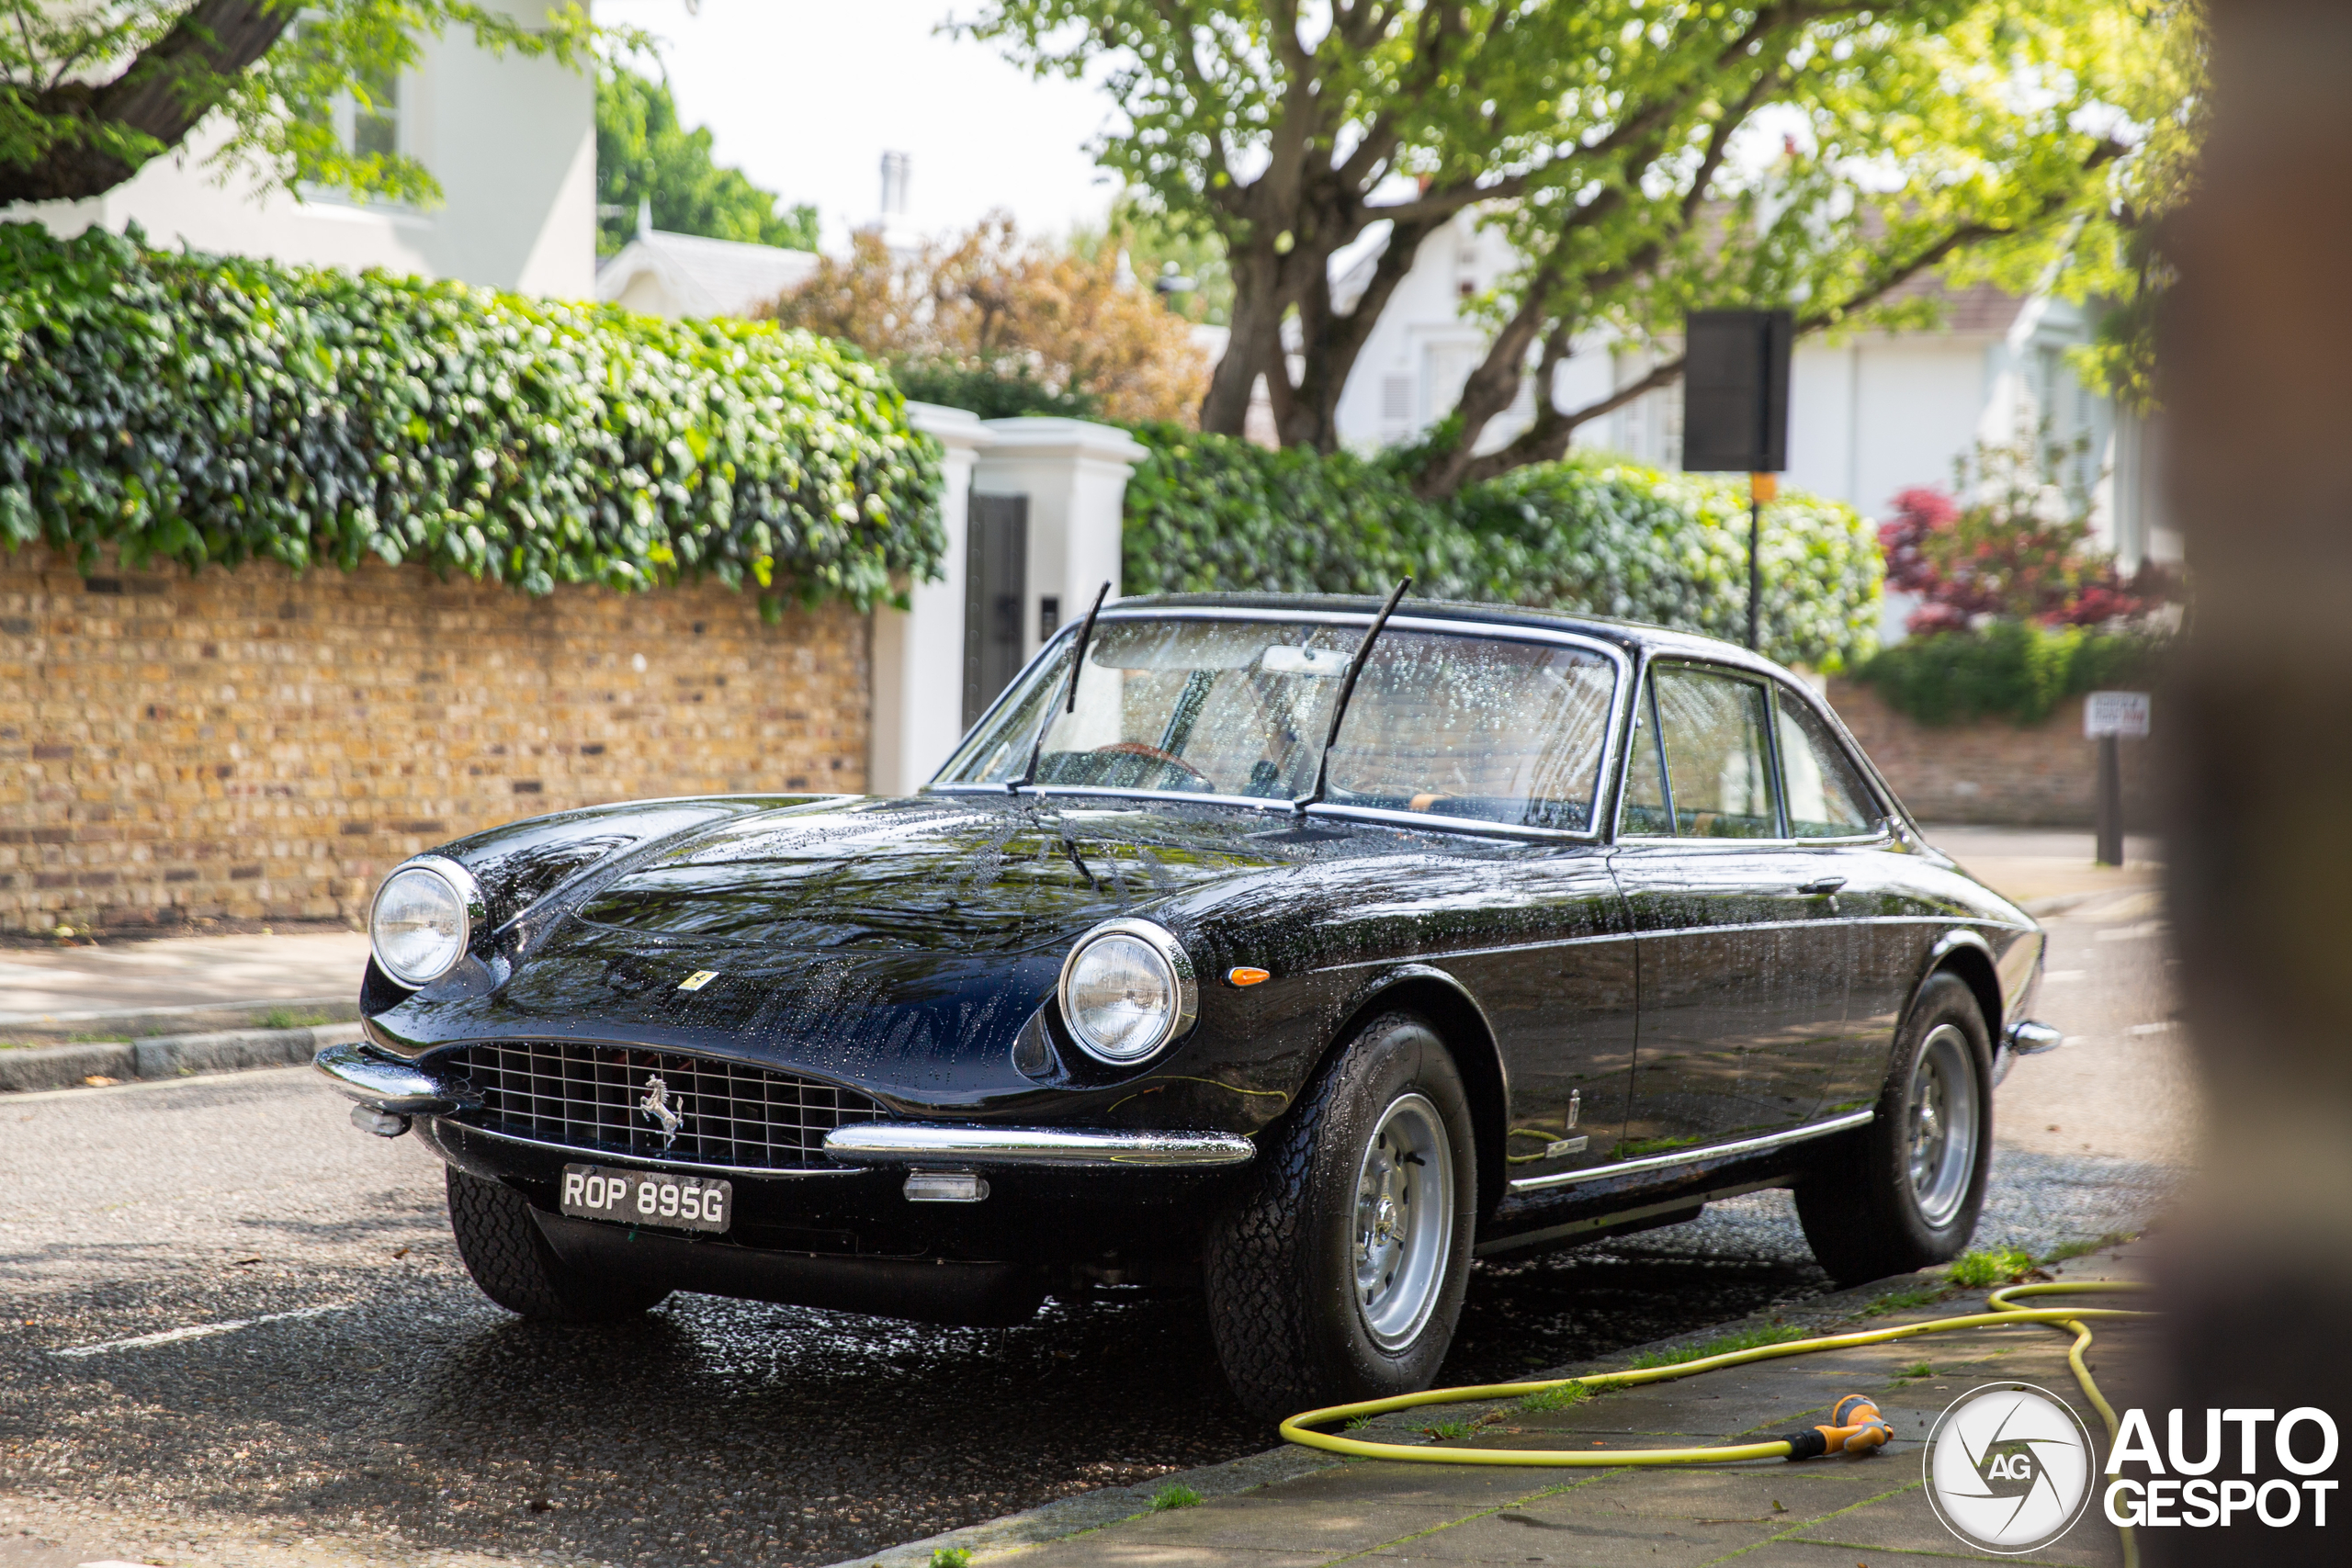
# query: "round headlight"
420,921
1127,990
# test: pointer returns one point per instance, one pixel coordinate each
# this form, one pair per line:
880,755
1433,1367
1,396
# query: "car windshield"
1454,724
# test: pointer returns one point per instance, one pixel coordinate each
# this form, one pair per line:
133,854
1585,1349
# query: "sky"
805,96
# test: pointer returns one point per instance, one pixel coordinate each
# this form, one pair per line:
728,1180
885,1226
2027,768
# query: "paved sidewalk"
117,976
1827,1513
2041,866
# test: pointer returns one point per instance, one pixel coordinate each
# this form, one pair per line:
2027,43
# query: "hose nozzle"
1856,1427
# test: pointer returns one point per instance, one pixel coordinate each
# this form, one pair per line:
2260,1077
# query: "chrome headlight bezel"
470,907
1182,987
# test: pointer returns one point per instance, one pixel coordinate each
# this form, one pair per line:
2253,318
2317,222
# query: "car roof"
1633,636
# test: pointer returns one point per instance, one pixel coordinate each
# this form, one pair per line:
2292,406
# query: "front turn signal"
1246,975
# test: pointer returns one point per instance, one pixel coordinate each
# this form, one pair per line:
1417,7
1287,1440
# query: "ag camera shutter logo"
2009,1469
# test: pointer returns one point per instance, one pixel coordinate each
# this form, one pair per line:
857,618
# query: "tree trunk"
170,88
1254,342
1332,343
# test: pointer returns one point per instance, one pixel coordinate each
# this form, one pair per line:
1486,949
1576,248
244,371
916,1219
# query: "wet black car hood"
935,875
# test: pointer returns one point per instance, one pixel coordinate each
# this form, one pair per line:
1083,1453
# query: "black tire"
513,1263
1863,1211
1282,1266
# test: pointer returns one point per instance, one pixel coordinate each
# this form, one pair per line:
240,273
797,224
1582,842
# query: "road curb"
1087,1511
166,1056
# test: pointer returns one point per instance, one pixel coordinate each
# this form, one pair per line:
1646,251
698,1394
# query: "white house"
1870,415
513,143
661,274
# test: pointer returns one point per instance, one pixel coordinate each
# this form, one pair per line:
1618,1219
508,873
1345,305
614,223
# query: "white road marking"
193,1080
2131,933
2150,1028
2065,974
197,1331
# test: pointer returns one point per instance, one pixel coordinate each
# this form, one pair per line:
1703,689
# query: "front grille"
595,1098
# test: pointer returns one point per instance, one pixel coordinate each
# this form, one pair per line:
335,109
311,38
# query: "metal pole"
2110,801
1761,487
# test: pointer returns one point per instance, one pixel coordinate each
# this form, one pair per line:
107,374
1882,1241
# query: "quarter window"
1718,752
1827,797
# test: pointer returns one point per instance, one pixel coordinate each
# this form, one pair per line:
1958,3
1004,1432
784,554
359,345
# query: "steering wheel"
1139,749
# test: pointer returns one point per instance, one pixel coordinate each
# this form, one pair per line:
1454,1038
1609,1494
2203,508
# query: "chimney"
896,168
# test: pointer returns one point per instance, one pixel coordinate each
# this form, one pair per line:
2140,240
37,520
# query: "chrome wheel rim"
1941,1122
1404,1221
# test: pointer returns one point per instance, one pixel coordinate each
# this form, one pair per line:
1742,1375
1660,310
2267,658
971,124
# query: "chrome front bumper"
928,1143
2024,1038
394,1089
383,1084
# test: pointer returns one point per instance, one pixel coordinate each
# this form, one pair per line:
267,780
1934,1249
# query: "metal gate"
996,576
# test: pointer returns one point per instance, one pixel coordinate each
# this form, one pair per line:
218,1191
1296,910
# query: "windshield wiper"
1347,690
1069,704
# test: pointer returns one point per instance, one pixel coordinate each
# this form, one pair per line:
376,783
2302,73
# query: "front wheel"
1340,1275
502,1250
1905,1192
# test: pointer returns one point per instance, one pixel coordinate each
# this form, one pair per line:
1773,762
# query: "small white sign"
2116,712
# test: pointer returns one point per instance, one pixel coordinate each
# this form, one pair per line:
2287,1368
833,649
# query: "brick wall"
257,746
1993,771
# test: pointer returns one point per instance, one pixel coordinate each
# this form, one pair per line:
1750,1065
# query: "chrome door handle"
1821,884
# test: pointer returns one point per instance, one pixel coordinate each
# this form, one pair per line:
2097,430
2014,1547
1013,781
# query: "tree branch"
175,83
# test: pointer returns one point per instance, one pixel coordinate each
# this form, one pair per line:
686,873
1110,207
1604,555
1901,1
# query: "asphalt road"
319,1382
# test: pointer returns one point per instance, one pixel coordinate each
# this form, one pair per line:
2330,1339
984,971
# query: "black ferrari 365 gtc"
1260,945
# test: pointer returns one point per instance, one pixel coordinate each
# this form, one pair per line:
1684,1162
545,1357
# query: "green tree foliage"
644,155
181,406
1212,512
90,93
1643,157
2122,264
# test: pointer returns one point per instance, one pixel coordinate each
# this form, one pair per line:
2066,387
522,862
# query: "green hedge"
2011,669
205,409
1605,538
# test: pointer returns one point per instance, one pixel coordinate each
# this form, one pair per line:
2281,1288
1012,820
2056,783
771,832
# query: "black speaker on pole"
1736,415
1735,392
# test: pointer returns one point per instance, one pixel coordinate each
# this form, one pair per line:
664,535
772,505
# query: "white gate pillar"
1075,474
917,653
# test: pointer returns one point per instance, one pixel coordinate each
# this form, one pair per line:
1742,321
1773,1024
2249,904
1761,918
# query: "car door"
1840,824
1469,733
1743,968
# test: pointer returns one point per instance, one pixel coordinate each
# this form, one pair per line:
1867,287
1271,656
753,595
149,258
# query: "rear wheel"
502,1250
1340,1275
1905,1192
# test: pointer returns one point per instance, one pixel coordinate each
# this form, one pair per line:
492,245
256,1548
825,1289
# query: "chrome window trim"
889,1143
1603,774
470,896
683,1168
1261,802
1692,1156
1181,1017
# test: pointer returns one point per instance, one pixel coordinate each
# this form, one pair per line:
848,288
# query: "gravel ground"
402,1419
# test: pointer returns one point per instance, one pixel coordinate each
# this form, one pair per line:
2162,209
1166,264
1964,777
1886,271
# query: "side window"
1646,814
1718,755
1826,797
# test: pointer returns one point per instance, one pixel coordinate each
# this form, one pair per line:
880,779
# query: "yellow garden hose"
1866,1433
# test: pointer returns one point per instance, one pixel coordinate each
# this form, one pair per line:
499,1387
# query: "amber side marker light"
1246,977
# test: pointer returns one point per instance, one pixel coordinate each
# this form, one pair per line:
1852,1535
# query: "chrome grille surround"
592,1097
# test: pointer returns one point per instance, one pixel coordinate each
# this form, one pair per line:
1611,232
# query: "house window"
1397,399
373,127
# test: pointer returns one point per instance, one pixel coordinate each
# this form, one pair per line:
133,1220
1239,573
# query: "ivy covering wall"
197,409
1601,537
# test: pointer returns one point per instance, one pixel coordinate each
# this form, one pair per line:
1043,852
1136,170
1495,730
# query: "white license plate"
648,1198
